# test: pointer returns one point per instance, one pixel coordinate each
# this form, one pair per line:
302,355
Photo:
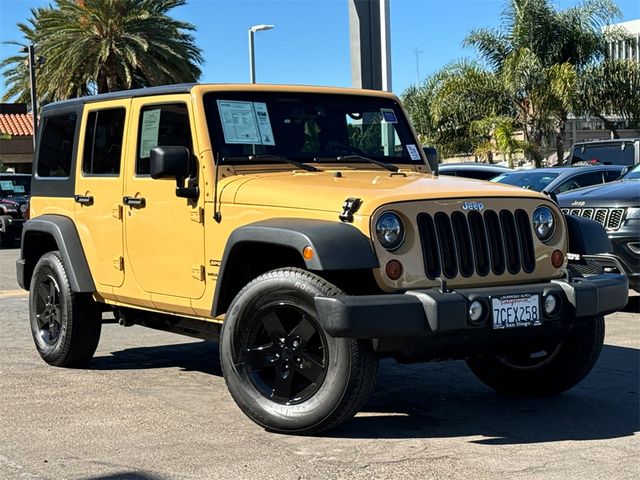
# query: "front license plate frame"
515,310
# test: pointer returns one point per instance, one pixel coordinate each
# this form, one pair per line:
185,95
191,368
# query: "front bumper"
11,227
623,259
432,314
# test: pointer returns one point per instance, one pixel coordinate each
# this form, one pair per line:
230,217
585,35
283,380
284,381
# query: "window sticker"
18,189
413,152
149,132
264,124
6,185
239,122
388,115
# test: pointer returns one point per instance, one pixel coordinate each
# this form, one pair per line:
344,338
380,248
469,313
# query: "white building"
630,48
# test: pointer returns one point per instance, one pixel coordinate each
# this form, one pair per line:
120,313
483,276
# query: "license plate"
517,310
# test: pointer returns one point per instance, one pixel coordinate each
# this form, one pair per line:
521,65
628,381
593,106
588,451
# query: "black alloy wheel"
48,310
285,354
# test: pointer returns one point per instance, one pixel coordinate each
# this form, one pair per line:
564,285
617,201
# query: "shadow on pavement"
633,305
126,476
198,356
442,400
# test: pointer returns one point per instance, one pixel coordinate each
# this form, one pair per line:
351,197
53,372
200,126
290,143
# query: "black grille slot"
600,215
447,245
526,241
615,218
510,241
587,212
480,246
463,243
496,246
429,245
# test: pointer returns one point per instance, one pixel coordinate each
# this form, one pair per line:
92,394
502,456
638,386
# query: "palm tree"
611,88
447,103
538,52
98,46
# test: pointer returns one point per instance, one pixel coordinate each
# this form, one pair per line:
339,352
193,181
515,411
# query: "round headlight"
544,223
390,231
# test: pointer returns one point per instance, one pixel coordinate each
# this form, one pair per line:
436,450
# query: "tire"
537,374
65,325
285,372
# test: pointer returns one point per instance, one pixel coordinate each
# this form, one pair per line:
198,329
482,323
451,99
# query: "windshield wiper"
391,168
269,156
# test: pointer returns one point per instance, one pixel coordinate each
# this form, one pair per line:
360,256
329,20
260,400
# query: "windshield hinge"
349,207
197,215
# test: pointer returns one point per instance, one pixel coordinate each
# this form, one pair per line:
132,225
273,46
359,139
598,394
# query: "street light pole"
32,85
418,52
252,59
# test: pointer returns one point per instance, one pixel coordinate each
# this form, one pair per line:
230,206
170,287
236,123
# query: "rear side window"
580,181
56,146
611,175
161,126
103,142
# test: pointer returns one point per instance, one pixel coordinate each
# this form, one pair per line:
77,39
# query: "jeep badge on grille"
473,206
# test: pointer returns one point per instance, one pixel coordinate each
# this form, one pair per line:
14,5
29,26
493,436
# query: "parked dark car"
561,179
14,205
619,151
479,171
616,206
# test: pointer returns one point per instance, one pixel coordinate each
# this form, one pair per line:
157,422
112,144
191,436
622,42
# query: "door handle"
134,201
83,199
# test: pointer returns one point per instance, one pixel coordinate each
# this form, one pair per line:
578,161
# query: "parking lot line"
13,293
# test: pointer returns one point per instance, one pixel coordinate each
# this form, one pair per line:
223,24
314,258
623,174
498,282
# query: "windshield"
633,174
608,154
537,181
258,127
11,186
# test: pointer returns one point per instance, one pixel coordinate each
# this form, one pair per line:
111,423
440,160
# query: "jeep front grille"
609,218
464,244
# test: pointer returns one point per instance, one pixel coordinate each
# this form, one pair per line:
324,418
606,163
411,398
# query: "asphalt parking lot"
153,405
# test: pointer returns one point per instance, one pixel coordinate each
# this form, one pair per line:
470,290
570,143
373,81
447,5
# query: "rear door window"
103,142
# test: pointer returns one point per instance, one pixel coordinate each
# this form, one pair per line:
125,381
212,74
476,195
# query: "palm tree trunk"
609,125
561,124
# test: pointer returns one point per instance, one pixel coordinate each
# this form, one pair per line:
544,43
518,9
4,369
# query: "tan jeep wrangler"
306,230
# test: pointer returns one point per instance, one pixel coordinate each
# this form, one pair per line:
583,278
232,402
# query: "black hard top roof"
138,92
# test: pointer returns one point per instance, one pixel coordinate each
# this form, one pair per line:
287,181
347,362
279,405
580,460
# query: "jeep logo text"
473,206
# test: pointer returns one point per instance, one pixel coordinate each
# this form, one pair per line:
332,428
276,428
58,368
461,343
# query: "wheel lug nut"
295,344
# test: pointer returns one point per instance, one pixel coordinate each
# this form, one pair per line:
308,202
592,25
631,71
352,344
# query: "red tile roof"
16,124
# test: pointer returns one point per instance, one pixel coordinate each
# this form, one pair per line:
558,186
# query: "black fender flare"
64,233
336,246
586,237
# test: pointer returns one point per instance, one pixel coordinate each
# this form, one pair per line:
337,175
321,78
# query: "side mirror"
169,162
173,162
432,158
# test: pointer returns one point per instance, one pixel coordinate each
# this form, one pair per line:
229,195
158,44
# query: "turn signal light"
307,252
393,269
557,258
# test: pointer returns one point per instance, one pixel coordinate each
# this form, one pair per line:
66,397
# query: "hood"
621,193
328,190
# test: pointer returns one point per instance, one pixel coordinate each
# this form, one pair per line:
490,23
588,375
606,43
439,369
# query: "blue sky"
310,44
